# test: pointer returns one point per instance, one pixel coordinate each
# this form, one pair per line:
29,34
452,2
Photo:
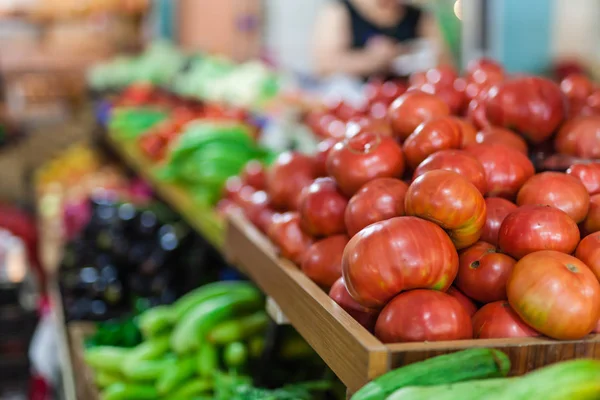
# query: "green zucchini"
449,368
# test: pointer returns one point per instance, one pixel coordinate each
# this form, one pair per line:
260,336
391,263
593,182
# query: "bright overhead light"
458,9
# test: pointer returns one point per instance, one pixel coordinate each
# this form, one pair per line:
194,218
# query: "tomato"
591,223
257,208
451,201
558,190
588,251
423,315
367,124
497,135
468,130
483,272
322,208
452,94
533,228
323,260
533,106
224,207
386,92
285,232
588,174
363,315
459,161
476,114
378,200
497,320
580,137
576,87
485,71
443,75
362,158
373,271
506,169
555,294
233,186
413,108
497,209
466,302
432,136
323,149
254,175
286,178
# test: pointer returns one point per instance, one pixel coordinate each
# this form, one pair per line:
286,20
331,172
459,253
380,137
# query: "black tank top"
363,30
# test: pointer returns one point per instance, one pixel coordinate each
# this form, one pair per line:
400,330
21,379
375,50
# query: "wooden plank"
203,219
353,354
84,376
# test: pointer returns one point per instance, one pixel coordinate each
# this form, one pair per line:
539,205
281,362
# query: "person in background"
363,37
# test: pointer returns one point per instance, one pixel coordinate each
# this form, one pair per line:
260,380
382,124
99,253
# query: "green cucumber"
105,379
173,377
190,390
149,370
449,368
235,355
469,390
125,391
207,360
191,330
151,349
106,358
239,329
156,321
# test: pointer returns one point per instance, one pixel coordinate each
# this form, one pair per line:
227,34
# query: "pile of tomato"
429,221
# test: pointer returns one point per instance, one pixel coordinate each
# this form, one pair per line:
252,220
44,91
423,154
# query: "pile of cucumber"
480,374
217,327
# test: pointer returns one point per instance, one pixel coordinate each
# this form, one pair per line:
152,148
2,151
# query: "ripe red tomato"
483,272
413,108
576,87
286,178
323,260
588,174
557,190
468,130
533,106
233,186
254,175
466,302
374,273
485,71
498,135
431,136
323,149
378,200
533,228
452,94
385,92
362,158
322,208
497,320
423,315
588,251
497,209
506,169
459,161
257,208
591,223
443,75
451,201
363,315
285,232
368,124
555,294
579,137
476,113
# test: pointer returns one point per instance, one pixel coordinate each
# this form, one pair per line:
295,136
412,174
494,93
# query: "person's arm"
428,29
332,46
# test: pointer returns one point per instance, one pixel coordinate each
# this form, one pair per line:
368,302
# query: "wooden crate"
83,375
354,354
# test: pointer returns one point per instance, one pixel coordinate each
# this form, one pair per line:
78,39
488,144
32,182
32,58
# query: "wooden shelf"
203,219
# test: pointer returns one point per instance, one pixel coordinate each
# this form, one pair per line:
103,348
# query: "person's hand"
382,51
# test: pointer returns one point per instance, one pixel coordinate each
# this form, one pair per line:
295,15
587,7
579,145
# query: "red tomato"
580,137
483,272
323,260
286,178
533,106
466,302
588,251
224,207
413,108
374,273
287,235
423,315
506,169
497,135
362,158
322,208
485,71
555,294
576,87
533,228
469,132
451,201
254,175
452,94
557,190
588,174
257,209
476,114
367,124
443,75
591,223
378,200
429,137
323,149
497,209
385,92
363,315
497,320
459,161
